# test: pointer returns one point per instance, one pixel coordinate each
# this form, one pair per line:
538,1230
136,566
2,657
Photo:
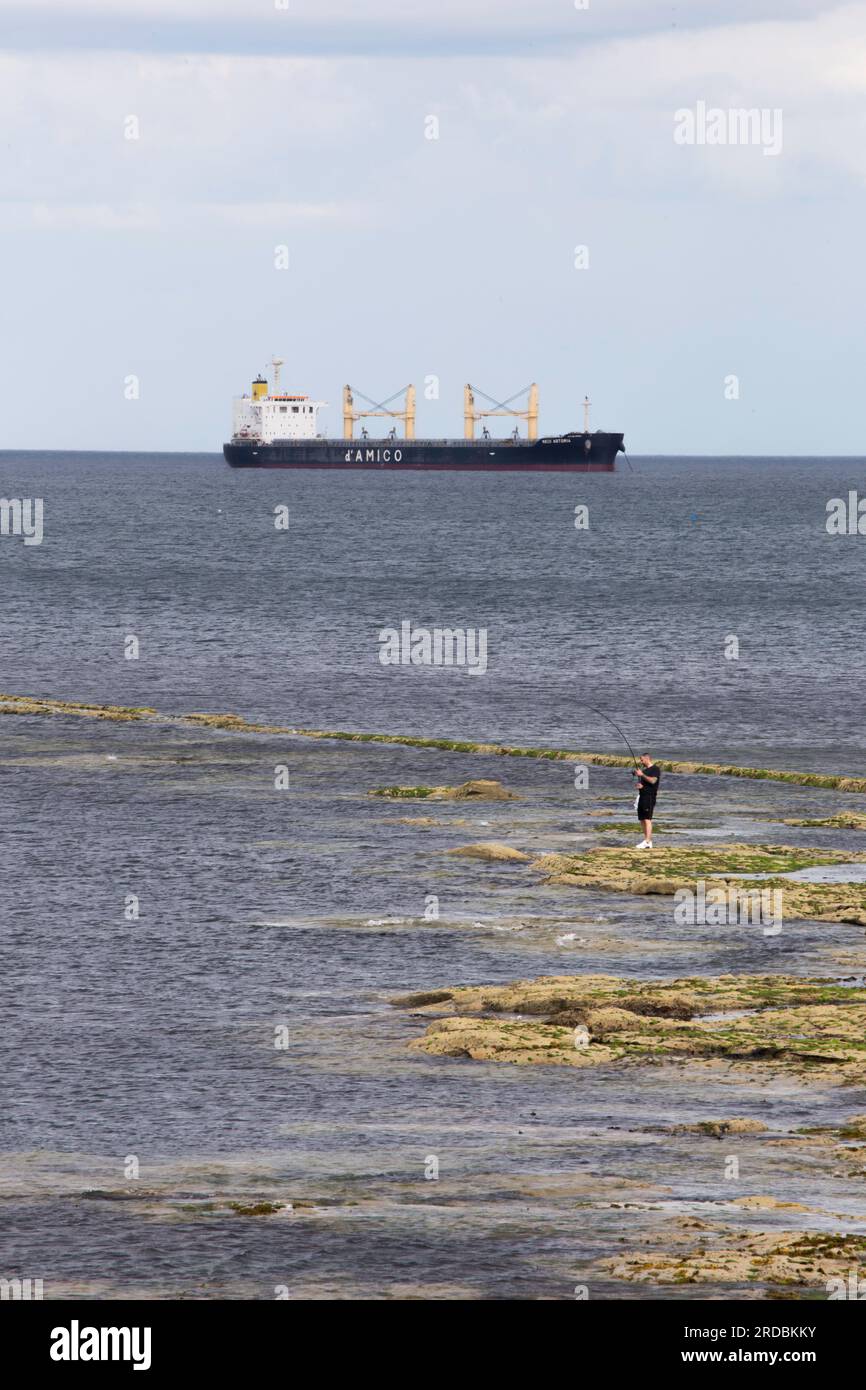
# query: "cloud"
273,217
380,27
286,214
78,216
411,256
134,131
260,139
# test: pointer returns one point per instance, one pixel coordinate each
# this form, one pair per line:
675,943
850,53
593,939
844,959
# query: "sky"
157,154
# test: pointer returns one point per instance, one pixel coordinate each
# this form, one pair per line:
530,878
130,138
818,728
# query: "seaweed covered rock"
742,868
491,850
803,1026
722,1255
479,789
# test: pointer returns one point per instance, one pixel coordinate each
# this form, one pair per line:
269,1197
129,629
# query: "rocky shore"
45,705
664,1074
746,867
760,1023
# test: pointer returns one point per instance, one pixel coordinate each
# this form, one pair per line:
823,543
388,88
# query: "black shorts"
645,809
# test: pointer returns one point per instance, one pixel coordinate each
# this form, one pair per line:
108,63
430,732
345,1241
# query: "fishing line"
614,724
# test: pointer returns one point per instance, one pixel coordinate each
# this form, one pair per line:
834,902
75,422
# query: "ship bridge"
275,415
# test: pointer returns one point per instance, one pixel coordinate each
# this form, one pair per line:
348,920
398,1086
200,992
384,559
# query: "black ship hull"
567,453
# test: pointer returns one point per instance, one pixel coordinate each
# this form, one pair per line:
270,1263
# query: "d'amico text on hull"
273,429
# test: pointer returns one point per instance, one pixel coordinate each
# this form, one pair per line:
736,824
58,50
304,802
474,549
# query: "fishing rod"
614,724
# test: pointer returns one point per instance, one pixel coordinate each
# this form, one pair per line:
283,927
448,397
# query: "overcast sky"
261,126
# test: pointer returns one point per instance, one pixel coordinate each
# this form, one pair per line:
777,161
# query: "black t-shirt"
649,793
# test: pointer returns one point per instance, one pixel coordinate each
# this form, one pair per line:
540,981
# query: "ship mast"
586,405
276,363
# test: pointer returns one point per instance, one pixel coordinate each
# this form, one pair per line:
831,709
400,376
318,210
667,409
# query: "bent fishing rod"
614,725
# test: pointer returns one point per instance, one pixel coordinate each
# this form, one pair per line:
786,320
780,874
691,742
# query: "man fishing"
649,776
648,781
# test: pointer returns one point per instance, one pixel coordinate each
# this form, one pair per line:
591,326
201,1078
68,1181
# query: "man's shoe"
644,844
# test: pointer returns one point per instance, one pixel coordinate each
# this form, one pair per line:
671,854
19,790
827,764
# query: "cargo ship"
274,429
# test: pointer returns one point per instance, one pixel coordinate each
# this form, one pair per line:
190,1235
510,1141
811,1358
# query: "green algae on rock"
667,871
718,1129
827,781
853,1128
844,1145
843,820
729,1255
792,1024
20,704
405,793
26,704
256,1208
686,864
479,789
686,998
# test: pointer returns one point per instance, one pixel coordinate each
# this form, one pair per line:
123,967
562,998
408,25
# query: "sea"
206,1088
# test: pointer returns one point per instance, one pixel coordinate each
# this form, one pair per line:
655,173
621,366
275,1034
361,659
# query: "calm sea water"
631,615
153,1040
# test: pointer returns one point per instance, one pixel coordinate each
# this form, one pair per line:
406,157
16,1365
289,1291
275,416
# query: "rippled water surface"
237,1041
631,615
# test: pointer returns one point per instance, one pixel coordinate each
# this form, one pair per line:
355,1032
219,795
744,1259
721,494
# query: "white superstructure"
269,417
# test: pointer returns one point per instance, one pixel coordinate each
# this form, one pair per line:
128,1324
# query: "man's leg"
647,831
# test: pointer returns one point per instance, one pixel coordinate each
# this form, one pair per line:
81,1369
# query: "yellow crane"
380,408
471,416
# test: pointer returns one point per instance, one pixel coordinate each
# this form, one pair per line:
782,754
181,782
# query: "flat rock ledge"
772,1023
698,1252
490,849
666,871
478,789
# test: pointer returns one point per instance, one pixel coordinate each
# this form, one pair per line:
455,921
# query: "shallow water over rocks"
156,1038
